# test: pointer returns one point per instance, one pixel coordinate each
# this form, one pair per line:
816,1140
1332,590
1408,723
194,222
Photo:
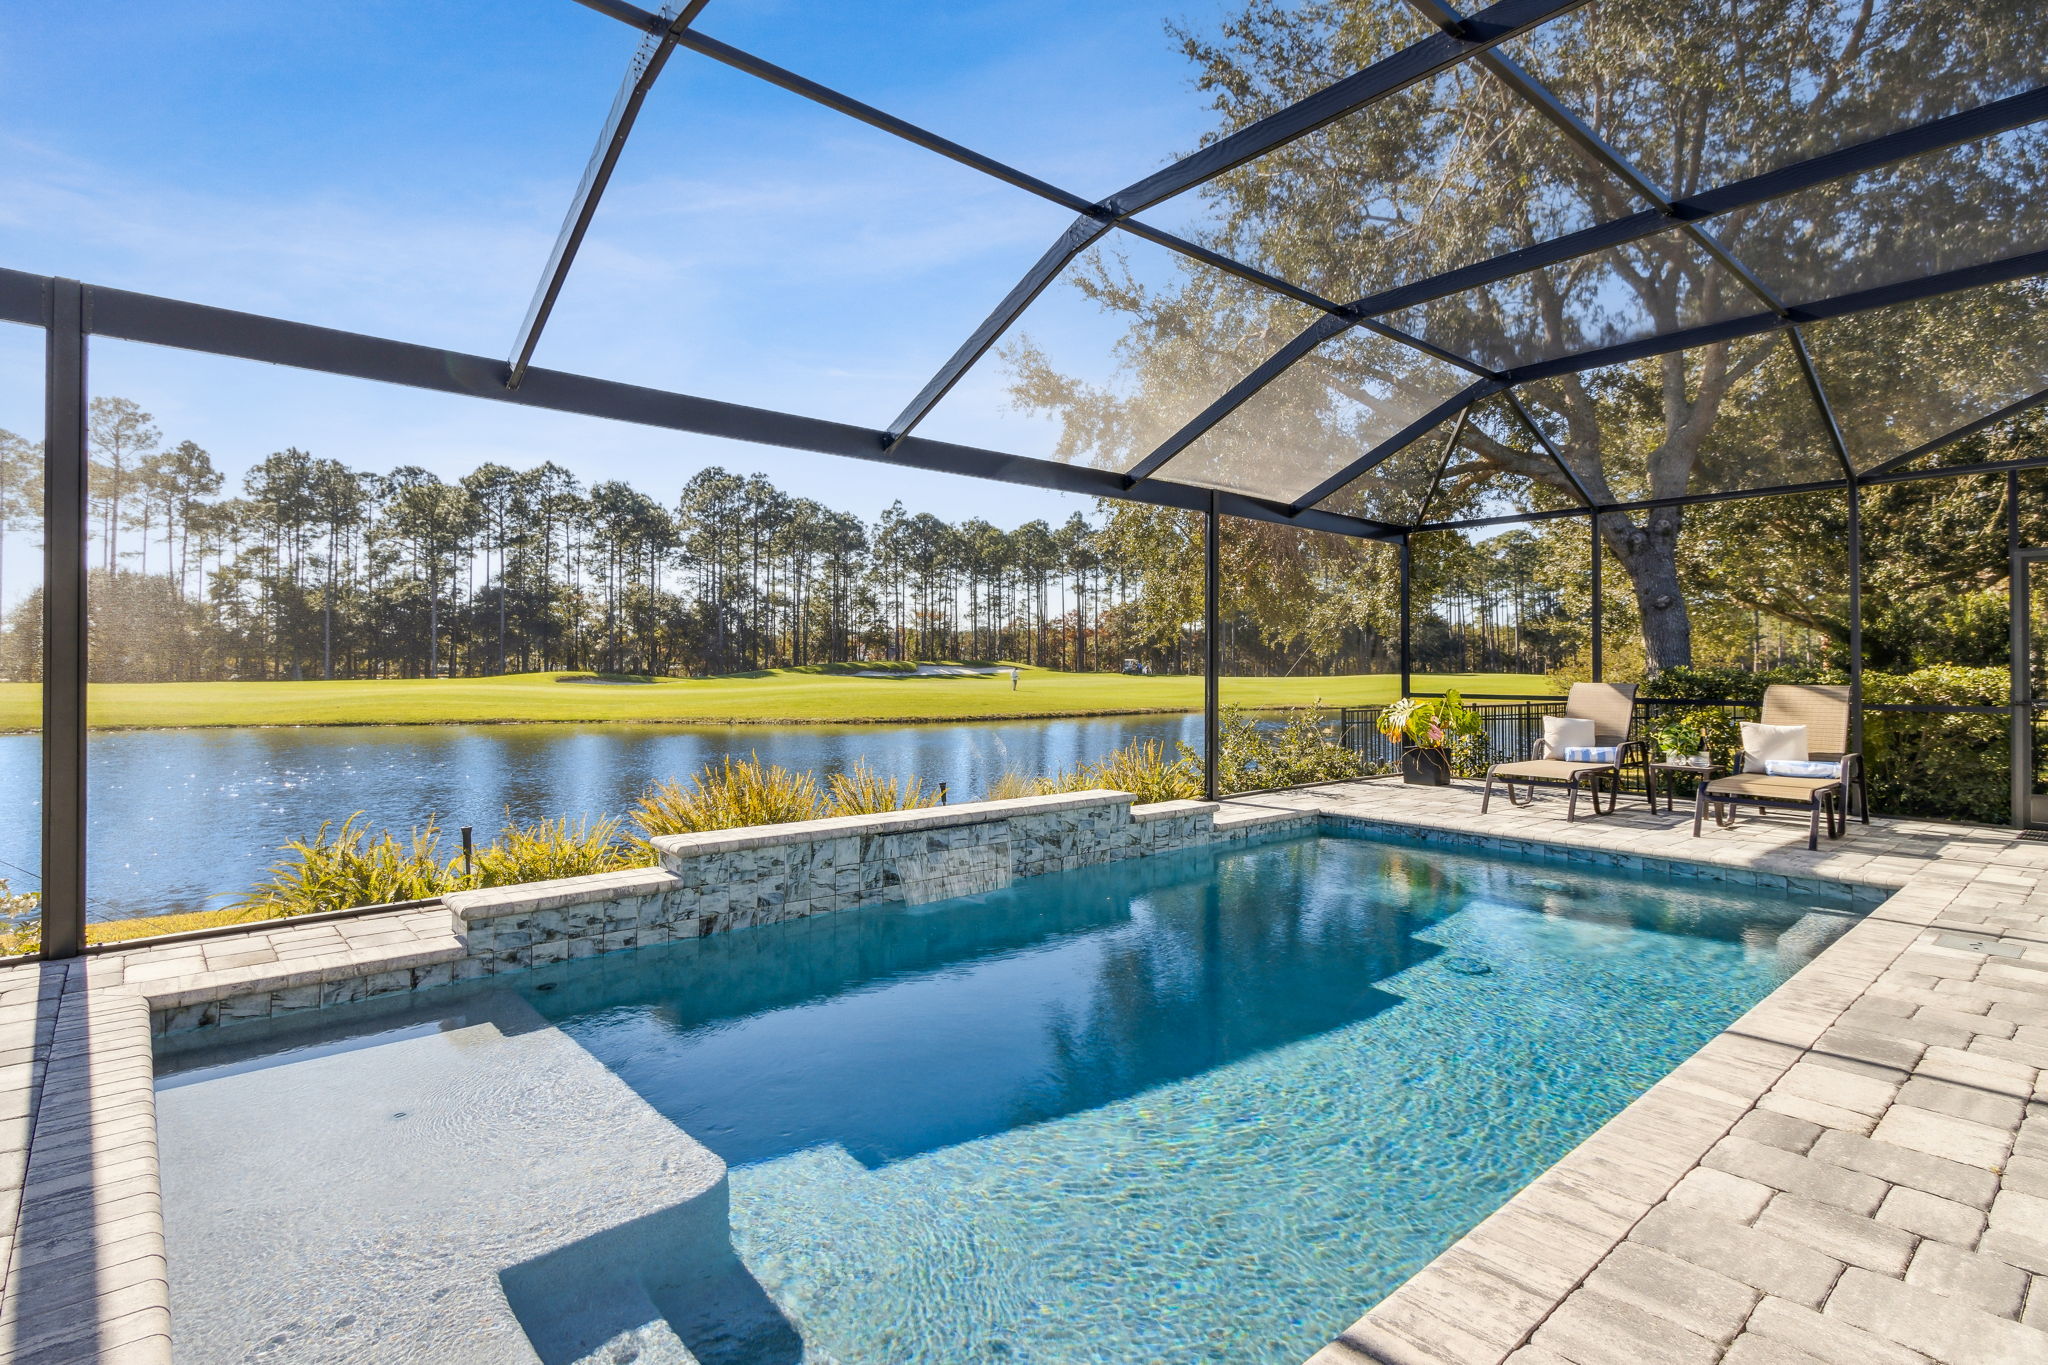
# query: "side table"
1661,775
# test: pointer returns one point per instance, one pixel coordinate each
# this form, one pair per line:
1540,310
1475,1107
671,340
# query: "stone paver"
1986,1281
1929,1215
1824,1338
1847,1237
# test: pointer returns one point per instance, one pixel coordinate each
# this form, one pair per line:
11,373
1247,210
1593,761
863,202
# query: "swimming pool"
1200,1106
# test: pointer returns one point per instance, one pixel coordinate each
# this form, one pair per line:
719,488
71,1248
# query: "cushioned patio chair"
1611,707
1836,795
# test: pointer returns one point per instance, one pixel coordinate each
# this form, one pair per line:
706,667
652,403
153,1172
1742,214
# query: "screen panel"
1454,170
322,602
1734,416
1902,376
1344,399
1091,94
1958,207
1704,96
21,634
393,169
1310,643
1661,284
1117,354
754,247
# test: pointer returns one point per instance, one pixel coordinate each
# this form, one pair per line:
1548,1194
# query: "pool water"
1198,1107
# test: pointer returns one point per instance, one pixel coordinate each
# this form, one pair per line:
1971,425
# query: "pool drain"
1467,966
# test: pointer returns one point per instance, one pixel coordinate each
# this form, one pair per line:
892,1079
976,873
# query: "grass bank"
777,696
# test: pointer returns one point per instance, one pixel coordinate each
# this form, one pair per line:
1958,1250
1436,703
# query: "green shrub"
1946,767
1140,768
728,796
865,792
1144,770
1940,685
1012,786
1731,684
1297,751
553,849
339,868
21,920
342,867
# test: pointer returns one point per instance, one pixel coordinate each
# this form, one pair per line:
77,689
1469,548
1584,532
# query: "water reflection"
897,1032
178,818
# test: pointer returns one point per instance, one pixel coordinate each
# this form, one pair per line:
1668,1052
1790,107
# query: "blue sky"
401,169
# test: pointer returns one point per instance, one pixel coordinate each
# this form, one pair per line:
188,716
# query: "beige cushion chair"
1612,709
1824,711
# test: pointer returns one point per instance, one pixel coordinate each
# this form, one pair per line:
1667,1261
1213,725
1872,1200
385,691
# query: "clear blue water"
1191,1108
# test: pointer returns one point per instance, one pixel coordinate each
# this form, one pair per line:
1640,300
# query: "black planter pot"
1426,767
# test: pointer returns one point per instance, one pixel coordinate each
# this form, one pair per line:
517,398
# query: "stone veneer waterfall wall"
736,879
706,884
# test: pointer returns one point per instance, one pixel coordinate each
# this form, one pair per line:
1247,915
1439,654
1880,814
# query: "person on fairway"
1013,680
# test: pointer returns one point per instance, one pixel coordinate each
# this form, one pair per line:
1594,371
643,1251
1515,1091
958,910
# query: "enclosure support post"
1407,588
1855,618
1597,594
2021,710
64,642
1212,646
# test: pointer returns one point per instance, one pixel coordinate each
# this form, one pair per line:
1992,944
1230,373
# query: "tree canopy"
1463,168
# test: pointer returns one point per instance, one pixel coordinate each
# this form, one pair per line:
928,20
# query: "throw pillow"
1762,743
1563,732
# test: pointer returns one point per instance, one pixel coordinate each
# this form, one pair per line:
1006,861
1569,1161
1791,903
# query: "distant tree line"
312,569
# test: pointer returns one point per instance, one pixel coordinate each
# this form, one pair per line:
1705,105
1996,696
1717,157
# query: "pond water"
180,819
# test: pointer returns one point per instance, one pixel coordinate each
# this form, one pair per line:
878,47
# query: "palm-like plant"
1431,722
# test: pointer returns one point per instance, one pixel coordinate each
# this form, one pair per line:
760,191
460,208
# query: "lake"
181,819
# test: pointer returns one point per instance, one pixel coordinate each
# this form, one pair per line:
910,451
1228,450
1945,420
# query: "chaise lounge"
1812,769
1609,709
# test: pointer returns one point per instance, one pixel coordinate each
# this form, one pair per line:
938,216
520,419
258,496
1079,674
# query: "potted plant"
1687,740
1428,727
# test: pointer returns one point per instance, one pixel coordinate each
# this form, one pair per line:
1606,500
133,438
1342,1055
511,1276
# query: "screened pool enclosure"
1742,305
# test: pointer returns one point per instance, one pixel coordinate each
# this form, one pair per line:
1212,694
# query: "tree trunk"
501,601
1648,553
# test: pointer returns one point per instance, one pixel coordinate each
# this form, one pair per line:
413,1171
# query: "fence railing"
1512,728
1924,760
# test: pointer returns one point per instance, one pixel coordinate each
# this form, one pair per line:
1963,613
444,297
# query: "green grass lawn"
793,696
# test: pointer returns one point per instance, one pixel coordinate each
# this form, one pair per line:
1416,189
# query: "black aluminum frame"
71,313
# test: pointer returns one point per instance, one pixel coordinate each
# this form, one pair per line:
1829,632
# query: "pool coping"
85,1265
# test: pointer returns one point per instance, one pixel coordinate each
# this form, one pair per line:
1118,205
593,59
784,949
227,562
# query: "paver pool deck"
1855,1171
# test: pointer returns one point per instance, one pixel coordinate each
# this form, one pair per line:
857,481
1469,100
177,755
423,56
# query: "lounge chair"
1612,708
1824,711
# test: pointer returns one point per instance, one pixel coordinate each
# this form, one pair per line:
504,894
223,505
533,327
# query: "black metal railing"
1512,727
1925,760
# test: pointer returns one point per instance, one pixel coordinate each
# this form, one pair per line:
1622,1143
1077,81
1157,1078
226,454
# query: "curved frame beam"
641,73
1474,37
